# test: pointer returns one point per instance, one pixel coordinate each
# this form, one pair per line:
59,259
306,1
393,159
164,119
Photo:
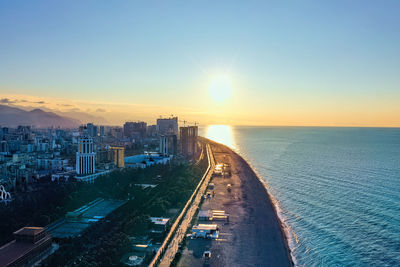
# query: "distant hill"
12,117
83,117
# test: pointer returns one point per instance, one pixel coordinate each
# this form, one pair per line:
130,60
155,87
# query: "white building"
168,144
164,144
85,157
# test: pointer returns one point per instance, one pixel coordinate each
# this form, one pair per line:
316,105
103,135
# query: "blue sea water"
337,189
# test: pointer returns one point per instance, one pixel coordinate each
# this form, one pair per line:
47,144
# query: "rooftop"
159,220
31,231
14,250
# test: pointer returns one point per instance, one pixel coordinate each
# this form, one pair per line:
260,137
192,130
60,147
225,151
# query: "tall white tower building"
85,157
164,144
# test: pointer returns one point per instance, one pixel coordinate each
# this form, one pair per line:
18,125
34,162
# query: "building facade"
85,157
132,129
188,140
118,156
91,129
167,126
31,245
168,144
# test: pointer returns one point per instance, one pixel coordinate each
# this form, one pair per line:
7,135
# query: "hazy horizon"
250,64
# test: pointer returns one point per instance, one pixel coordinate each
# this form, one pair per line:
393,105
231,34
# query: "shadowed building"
91,129
167,126
118,156
188,139
132,129
31,245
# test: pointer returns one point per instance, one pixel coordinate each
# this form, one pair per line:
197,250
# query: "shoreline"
284,229
255,234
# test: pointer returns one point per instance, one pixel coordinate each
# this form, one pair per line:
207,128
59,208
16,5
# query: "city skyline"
300,65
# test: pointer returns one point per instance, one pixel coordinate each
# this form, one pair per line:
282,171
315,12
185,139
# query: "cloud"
100,110
74,110
9,101
5,101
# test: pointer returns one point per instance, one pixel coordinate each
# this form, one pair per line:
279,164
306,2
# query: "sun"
220,88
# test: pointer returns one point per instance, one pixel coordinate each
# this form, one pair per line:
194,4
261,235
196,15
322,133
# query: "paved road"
180,233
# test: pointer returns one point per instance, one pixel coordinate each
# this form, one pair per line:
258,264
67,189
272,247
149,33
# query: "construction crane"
195,123
188,122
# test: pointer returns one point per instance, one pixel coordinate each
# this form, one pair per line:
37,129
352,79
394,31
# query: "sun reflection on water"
221,134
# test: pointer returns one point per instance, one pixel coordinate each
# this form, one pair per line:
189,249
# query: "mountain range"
12,117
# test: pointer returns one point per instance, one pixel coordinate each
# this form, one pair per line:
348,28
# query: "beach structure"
229,188
31,245
205,215
226,170
218,170
210,231
213,215
207,257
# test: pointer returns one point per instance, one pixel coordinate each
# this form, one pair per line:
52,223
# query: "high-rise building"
151,130
85,157
168,144
4,149
91,129
102,132
188,139
118,156
167,126
133,128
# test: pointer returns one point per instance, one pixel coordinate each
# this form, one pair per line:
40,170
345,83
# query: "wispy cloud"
6,101
16,100
74,110
65,105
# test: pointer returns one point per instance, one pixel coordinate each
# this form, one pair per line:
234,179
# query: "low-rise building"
159,224
31,245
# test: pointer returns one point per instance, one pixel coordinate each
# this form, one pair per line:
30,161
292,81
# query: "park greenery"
104,243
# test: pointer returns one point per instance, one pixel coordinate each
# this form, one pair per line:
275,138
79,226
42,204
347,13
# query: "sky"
323,63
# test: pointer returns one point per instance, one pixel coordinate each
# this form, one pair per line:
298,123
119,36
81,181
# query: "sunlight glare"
221,134
220,88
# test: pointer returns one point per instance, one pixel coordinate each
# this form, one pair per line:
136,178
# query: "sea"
336,190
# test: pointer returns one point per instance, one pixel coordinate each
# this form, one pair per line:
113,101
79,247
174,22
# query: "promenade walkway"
170,246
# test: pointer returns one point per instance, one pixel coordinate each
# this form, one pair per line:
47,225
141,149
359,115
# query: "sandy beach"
254,235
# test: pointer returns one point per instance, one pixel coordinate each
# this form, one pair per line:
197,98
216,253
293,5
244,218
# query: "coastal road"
180,233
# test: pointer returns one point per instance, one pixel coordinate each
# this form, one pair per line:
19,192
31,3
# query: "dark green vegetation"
104,243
